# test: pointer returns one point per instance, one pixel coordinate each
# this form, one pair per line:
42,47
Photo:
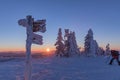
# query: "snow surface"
56,68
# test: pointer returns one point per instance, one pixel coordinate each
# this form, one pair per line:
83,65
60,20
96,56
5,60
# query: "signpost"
31,27
39,25
37,39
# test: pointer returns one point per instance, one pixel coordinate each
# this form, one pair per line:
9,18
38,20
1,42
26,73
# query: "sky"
102,16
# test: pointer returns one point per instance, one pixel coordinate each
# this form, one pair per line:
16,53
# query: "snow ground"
53,68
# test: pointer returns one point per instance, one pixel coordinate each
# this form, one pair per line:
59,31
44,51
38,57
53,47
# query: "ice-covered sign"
23,22
31,27
37,39
39,26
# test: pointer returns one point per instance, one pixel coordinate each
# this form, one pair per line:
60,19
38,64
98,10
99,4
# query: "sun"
48,49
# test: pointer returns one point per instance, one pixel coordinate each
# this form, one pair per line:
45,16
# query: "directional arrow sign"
37,39
39,25
23,22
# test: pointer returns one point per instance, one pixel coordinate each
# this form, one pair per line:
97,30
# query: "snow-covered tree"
59,44
101,51
67,43
68,46
90,45
66,34
71,47
96,48
74,42
107,51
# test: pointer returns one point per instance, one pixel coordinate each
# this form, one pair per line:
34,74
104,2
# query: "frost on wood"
39,25
37,39
23,22
31,27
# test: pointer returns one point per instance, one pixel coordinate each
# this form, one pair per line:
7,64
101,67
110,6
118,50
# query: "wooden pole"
29,32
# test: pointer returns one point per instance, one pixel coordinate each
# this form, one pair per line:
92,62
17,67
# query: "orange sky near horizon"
33,48
39,48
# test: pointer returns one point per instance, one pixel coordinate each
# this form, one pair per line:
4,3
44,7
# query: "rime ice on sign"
39,25
37,39
31,27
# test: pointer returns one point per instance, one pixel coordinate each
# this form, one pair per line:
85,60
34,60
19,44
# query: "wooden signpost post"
31,27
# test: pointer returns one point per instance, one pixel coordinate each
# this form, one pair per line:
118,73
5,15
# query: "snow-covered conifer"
90,45
71,47
96,48
59,44
100,51
67,43
74,42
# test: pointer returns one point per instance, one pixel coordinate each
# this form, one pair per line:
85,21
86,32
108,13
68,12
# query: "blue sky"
103,16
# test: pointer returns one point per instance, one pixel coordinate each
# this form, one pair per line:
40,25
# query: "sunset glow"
77,16
48,50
